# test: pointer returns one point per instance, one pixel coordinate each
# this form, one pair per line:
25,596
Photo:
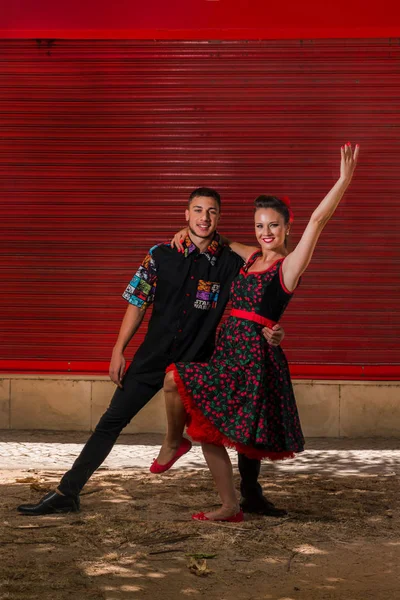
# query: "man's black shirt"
189,292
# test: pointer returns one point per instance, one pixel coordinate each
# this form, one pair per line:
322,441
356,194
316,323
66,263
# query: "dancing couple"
237,393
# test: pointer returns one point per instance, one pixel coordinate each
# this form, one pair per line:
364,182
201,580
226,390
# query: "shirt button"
187,294
192,277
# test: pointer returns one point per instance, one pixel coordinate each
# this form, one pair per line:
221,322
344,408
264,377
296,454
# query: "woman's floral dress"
243,397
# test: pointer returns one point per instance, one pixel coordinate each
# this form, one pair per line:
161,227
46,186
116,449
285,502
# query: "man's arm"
140,294
241,249
275,335
129,326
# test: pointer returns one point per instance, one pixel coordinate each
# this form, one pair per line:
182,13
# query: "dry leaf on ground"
198,567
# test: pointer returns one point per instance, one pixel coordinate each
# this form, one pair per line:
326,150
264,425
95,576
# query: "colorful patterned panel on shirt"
207,294
189,246
212,252
140,291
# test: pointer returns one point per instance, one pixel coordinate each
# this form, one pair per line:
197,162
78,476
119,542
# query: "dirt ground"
134,539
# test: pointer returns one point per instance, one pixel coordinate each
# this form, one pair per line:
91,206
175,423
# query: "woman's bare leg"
220,465
176,419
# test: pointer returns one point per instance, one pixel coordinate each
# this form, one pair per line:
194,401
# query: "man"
189,291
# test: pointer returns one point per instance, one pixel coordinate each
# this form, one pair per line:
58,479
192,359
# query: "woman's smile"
268,239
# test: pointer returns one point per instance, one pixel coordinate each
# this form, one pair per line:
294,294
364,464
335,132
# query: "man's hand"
275,335
117,367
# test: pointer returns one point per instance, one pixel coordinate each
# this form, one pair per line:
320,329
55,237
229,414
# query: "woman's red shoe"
238,518
184,447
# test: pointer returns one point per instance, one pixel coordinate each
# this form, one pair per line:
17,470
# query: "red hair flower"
286,200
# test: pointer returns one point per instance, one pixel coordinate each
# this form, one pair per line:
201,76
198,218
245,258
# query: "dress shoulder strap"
252,259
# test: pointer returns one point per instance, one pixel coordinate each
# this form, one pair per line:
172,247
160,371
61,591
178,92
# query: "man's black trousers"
125,404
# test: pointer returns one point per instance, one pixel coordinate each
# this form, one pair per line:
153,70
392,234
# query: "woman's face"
270,228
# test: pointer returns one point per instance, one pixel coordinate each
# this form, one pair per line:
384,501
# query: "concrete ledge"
50,404
318,405
365,410
5,401
76,403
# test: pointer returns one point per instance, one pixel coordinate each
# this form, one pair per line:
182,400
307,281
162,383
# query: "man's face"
202,216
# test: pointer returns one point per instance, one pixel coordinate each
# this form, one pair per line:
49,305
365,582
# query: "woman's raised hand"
178,238
348,161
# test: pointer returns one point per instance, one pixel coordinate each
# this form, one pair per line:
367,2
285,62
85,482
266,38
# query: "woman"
243,398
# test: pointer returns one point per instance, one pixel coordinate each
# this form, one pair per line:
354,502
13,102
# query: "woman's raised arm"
297,261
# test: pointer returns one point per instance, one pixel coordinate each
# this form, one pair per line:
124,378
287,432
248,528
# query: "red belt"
252,316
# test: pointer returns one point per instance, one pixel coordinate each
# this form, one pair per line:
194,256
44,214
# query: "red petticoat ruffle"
201,429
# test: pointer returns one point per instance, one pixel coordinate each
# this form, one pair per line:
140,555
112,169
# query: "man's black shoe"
261,506
51,503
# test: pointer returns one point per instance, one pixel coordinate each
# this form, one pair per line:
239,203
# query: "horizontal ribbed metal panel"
102,142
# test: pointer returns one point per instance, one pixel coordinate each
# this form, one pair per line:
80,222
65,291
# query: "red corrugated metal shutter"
101,143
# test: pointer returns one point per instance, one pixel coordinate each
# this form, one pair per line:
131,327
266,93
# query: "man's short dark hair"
208,193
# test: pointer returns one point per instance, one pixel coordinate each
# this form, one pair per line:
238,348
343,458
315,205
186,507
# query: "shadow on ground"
134,539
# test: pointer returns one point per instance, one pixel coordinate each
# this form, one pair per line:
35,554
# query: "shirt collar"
212,252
